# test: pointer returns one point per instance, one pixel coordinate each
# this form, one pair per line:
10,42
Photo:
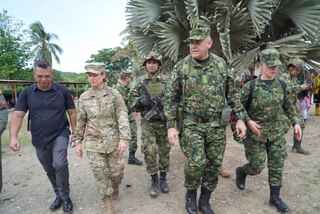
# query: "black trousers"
55,163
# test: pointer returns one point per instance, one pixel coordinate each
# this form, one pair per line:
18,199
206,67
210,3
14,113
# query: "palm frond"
142,14
222,18
261,13
171,34
192,12
305,15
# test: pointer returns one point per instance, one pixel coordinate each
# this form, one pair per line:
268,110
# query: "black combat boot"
204,205
298,149
154,189
240,178
191,201
163,183
133,160
276,201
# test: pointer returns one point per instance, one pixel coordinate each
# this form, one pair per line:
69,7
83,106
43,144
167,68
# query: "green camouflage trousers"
155,146
107,169
257,153
133,127
204,148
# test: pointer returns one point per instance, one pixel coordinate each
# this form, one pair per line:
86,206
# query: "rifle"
156,111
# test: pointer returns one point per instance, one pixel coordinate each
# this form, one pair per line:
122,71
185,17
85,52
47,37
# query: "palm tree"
41,40
240,28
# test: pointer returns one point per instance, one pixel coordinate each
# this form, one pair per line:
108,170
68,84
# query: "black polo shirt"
47,111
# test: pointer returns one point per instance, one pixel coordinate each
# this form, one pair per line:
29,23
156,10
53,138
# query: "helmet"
125,73
298,63
152,55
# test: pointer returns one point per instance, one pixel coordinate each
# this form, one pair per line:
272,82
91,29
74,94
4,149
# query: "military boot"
133,160
276,201
108,205
191,201
298,149
154,189
240,178
163,183
204,205
224,173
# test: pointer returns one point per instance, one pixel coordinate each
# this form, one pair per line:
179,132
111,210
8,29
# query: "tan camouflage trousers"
155,146
106,168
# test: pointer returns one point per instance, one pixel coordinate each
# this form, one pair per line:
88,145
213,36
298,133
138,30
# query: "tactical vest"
155,86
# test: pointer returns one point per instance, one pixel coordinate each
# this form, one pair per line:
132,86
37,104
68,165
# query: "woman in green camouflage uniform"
103,127
271,113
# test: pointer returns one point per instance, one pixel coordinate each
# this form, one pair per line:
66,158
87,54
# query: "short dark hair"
42,63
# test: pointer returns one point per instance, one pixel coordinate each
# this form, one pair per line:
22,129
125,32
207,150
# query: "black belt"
198,119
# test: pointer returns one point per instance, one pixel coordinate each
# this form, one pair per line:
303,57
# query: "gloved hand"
144,102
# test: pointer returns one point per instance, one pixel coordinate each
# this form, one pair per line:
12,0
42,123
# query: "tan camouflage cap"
152,55
270,57
199,34
298,63
95,68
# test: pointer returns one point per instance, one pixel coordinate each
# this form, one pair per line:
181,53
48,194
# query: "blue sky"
83,26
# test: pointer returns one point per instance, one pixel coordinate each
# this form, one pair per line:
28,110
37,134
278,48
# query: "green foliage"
13,51
41,41
114,62
240,29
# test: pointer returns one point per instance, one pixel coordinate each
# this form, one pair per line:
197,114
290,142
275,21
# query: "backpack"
29,90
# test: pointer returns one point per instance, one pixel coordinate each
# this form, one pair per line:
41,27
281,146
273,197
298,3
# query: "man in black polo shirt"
47,103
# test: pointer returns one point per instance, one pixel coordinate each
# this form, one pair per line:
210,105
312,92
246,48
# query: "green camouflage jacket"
102,120
205,90
271,108
136,92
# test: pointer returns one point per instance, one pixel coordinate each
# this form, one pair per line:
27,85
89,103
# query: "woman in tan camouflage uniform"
103,127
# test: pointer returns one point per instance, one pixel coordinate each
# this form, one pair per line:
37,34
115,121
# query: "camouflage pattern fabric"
292,83
102,120
202,143
124,91
154,132
199,34
270,57
155,146
107,169
274,110
3,125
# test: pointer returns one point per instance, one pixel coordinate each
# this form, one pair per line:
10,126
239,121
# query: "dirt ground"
26,188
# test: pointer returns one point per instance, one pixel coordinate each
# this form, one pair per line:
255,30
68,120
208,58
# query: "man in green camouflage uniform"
123,86
103,128
3,125
201,84
270,115
146,94
295,66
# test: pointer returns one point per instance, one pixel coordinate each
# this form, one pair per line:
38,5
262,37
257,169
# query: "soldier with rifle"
146,97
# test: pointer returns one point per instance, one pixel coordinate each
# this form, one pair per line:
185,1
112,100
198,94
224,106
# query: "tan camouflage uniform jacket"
102,120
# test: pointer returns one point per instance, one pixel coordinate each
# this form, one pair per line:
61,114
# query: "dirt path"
26,188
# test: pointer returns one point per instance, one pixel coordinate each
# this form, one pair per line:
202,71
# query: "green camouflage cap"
199,34
152,55
95,68
270,57
298,63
